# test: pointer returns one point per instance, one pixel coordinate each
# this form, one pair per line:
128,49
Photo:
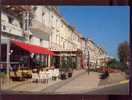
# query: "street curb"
124,81
113,84
109,85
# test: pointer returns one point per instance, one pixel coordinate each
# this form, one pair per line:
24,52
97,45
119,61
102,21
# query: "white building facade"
44,26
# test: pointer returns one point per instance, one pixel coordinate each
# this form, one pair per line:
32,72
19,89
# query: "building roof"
17,8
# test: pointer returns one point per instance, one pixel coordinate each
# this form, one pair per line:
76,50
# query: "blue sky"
106,25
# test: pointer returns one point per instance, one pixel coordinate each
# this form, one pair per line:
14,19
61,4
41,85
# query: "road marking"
124,81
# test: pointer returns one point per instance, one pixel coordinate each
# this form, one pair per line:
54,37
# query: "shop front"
25,55
75,56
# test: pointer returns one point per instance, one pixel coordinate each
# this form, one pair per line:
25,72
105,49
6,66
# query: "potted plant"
70,66
63,70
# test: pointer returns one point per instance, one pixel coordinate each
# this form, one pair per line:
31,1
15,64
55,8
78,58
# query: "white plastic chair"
35,77
50,74
47,76
41,77
56,72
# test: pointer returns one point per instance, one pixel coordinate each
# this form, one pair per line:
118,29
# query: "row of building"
42,31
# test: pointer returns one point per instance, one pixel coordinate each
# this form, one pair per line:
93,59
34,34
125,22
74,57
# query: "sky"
108,26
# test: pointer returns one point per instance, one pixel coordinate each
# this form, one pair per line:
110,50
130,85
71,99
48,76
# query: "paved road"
120,89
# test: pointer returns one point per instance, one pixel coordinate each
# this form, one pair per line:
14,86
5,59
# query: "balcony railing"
11,29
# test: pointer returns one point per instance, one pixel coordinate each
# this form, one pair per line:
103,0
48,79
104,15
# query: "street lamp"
88,55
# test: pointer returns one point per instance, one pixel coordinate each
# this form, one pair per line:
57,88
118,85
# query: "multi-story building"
44,27
85,56
23,35
102,57
12,27
97,55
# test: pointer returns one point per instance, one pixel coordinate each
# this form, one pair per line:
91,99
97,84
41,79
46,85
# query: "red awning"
33,48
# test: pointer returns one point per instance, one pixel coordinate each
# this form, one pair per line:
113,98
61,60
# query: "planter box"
54,78
63,76
69,75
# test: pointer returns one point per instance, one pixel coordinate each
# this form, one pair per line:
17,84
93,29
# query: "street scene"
64,50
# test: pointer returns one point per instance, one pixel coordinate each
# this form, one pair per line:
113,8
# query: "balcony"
11,29
55,46
39,29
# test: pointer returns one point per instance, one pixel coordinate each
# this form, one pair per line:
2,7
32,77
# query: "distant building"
97,55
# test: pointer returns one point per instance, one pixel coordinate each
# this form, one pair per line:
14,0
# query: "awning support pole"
49,60
8,59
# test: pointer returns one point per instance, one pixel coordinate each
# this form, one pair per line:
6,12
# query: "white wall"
38,14
35,41
44,44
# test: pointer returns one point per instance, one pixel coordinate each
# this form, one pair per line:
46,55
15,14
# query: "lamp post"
88,55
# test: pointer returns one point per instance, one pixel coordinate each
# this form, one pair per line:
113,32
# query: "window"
34,9
64,45
78,39
21,24
41,41
43,13
56,38
30,37
10,19
4,27
26,24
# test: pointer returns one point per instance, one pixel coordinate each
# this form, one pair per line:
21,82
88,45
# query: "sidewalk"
51,89
84,82
91,82
28,86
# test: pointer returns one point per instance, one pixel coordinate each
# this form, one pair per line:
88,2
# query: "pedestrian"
88,69
2,76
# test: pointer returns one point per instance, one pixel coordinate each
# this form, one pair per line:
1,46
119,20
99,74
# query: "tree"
123,52
113,63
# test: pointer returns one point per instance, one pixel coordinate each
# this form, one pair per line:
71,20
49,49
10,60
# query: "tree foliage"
115,64
123,52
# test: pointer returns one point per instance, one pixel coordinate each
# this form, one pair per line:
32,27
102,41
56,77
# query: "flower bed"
110,70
